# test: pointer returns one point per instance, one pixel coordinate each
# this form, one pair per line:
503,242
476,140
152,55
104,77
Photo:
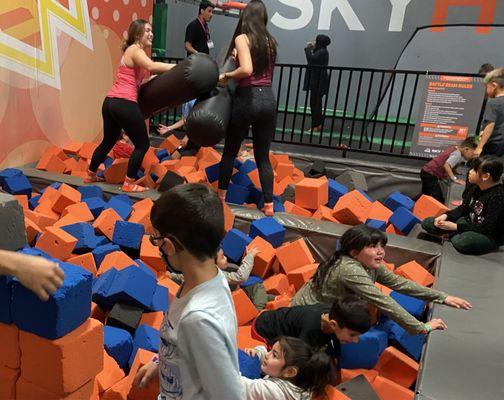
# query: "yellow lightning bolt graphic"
42,64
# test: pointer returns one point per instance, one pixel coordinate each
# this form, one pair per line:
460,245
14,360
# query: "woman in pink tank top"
254,103
120,109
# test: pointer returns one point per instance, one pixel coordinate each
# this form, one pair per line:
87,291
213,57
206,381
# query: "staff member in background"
197,35
316,79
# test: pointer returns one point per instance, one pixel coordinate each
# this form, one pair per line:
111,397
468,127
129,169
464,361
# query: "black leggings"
256,106
122,114
316,108
431,186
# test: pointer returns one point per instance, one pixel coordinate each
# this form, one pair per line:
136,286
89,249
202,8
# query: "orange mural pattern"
58,59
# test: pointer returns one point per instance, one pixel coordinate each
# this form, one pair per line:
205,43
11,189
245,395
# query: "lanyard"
205,28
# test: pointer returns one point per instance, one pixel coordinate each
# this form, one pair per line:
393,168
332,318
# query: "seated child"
444,166
198,353
319,325
293,371
354,269
477,225
491,140
235,275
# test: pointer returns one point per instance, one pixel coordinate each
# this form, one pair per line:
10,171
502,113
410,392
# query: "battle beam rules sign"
449,110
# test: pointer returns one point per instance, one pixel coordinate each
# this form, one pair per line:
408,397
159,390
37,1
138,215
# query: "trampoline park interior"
57,60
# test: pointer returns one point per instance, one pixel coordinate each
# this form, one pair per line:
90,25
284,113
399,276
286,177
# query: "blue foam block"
35,251
8,173
132,286
366,352
404,220
145,268
336,190
33,202
234,244
242,179
168,157
237,194
85,235
160,299
250,367
118,344
65,310
248,166
365,195
90,191
414,306
5,299
121,204
128,234
252,280
413,344
212,172
108,162
397,199
95,205
277,204
140,174
162,154
377,224
101,289
146,338
100,252
269,229
237,164
17,184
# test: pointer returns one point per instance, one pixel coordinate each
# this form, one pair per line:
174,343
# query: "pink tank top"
127,82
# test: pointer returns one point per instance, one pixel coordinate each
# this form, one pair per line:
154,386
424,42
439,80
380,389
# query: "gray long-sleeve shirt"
348,276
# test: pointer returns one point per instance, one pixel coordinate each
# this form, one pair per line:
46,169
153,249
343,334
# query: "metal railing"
366,110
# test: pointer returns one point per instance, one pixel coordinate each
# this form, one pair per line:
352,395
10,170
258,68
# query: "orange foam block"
150,255
57,243
397,367
311,193
245,339
110,374
173,288
80,210
71,164
50,195
67,195
284,170
264,259
280,186
152,319
379,212
280,301
22,199
254,177
387,389
85,261
245,309
196,177
28,390
72,148
149,159
117,260
393,230
297,175
68,219
348,374
87,149
8,378
427,206
117,171
150,392
299,276
97,313
45,207
294,255
229,217
32,230
292,208
332,394
65,364
141,215
171,143
9,346
40,219
105,222
51,163
415,272
277,284
324,213
384,289
352,208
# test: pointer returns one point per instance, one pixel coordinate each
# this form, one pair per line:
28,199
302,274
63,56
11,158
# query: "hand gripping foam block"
403,220
366,352
250,367
128,234
397,199
65,310
269,229
122,205
294,255
264,259
125,317
132,286
63,365
118,344
234,244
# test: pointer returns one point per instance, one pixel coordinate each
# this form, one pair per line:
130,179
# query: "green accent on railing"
329,113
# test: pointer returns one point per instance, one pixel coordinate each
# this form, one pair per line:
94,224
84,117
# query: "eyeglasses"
154,241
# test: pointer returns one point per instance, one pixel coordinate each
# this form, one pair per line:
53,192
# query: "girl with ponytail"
293,371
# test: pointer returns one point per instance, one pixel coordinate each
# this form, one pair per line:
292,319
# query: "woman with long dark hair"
254,103
354,269
120,109
316,77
